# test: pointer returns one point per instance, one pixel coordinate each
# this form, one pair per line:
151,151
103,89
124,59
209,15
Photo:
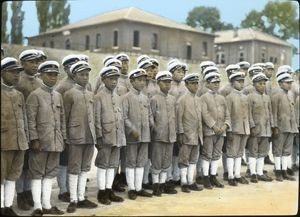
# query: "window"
271,59
98,40
154,41
263,57
241,58
52,44
115,44
222,58
275,60
87,42
136,38
67,44
204,48
188,51
217,58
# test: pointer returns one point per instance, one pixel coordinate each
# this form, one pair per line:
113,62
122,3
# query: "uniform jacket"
297,111
28,83
109,120
177,89
269,88
46,118
202,88
260,113
214,112
238,108
151,89
189,120
123,86
137,116
14,131
98,85
226,90
80,116
66,84
283,109
249,89
163,110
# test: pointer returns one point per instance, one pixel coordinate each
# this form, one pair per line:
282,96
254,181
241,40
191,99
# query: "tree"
42,8
17,22
4,36
254,20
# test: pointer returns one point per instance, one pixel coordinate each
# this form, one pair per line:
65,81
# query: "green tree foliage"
17,23
4,37
42,8
206,18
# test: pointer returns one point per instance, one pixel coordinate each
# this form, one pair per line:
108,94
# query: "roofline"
255,39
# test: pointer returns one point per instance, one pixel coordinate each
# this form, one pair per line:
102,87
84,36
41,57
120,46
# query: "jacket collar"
46,88
6,87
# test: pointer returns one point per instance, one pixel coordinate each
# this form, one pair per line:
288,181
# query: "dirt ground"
275,198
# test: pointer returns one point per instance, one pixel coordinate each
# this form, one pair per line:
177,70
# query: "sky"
231,11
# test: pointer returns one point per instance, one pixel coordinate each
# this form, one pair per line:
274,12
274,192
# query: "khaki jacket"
46,118
202,88
226,90
27,84
177,89
109,120
249,89
163,110
151,89
14,131
260,113
214,112
80,116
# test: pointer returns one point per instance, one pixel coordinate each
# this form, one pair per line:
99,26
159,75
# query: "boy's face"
192,86
30,66
260,86
178,75
138,83
49,78
213,86
238,84
150,73
155,70
125,67
164,86
111,82
82,78
269,72
285,85
11,77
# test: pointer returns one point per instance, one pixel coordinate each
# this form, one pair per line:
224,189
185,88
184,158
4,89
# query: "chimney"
235,32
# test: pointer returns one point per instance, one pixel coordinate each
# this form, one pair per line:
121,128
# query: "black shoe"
267,160
112,197
28,196
143,193
278,175
264,178
132,194
117,185
242,180
195,187
86,204
225,176
53,211
244,162
37,212
72,207
147,186
232,182
156,190
168,188
206,183
286,176
185,189
265,171
22,202
174,183
102,197
215,182
64,197
8,211
253,178
199,180
290,172
248,174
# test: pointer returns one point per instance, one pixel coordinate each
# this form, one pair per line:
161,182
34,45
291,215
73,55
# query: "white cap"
269,65
172,60
29,54
42,54
285,77
259,77
288,68
232,68
122,57
174,66
185,66
262,65
137,73
210,69
79,66
113,62
253,70
191,77
142,58
237,76
10,63
70,59
163,76
244,65
107,58
109,71
83,57
48,66
145,64
205,64
212,77
154,61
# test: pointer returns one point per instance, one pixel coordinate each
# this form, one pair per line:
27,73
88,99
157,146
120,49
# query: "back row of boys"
168,122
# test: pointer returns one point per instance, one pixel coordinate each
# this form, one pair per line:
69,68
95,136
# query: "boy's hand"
217,130
275,132
229,136
35,145
135,135
224,128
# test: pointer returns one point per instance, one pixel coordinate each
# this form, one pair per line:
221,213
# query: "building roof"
129,14
230,36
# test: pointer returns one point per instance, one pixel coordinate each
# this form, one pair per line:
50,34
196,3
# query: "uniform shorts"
258,146
136,155
43,164
108,157
80,158
236,146
11,165
212,147
282,146
188,154
161,156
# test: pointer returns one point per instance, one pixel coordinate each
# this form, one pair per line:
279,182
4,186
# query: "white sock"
9,192
230,165
62,179
183,173
46,193
138,179
155,178
162,177
36,190
205,167
284,162
277,162
81,185
190,174
2,195
252,165
260,166
110,174
176,169
146,172
130,178
73,182
214,167
101,174
237,167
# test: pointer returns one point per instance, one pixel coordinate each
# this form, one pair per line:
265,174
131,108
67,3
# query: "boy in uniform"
47,131
202,84
13,133
189,124
99,81
138,119
216,120
244,66
253,70
79,110
164,132
110,134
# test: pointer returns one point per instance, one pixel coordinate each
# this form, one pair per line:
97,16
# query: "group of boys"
152,129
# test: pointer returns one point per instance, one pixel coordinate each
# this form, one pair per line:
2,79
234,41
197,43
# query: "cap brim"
17,68
82,69
49,70
215,80
287,80
110,75
165,79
